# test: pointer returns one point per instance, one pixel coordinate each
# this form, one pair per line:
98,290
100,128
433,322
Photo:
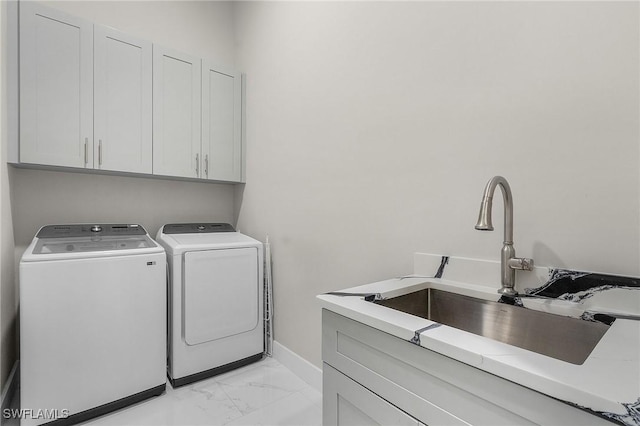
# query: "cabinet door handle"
99,152
86,151
206,165
197,165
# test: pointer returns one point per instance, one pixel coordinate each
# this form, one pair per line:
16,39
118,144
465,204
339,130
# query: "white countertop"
607,382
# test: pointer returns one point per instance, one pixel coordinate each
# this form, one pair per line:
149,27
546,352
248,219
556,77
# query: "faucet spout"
508,260
484,218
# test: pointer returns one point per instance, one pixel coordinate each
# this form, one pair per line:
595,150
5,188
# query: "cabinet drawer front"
415,379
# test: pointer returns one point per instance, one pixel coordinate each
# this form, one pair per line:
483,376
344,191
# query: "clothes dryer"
215,300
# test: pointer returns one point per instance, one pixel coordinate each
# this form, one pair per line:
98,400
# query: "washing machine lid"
55,242
90,230
90,244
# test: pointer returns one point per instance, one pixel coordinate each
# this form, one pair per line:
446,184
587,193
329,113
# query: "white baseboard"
298,365
9,390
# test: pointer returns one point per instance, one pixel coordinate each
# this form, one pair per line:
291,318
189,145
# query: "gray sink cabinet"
372,377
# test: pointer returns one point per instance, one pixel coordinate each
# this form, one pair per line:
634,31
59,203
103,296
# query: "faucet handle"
521,263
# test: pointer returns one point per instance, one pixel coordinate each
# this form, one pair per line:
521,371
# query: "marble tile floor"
263,393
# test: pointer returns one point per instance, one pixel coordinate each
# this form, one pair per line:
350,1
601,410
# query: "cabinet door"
347,403
222,123
176,113
56,87
122,102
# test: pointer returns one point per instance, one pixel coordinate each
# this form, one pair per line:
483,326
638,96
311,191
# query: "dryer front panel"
220,294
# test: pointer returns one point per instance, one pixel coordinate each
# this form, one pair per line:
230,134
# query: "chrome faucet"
508,260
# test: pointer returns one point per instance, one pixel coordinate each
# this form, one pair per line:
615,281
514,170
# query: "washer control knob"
96,228
201,227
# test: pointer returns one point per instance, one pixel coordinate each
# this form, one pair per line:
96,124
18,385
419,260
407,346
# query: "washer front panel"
91,324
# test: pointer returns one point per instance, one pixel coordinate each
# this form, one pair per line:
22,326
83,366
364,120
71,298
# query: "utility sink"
564,338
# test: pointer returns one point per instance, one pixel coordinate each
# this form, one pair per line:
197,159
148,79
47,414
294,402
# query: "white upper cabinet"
176,113
221,123
122,102
56,88
92,97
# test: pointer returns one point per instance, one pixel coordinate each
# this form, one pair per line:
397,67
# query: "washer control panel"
90,230
197,228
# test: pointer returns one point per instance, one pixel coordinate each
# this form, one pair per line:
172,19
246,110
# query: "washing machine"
92,321
215,300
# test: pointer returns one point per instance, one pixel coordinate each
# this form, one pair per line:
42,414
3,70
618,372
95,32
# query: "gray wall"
374,126
46,197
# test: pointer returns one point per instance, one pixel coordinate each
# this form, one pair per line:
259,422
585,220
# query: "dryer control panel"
197,228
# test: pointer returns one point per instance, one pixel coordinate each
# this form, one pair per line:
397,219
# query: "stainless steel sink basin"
564,338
